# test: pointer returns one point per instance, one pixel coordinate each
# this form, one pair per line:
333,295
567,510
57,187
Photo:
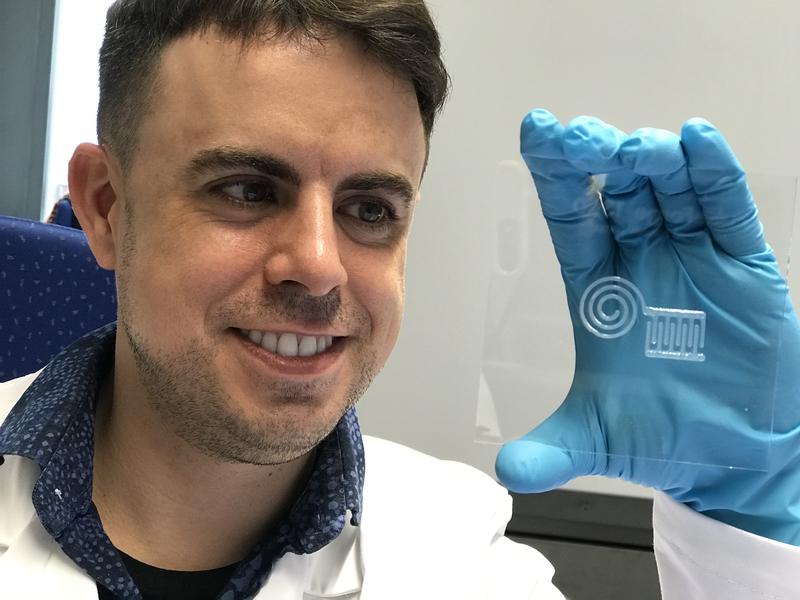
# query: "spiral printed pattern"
610,307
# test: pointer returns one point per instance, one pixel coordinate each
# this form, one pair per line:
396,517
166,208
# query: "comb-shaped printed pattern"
674,333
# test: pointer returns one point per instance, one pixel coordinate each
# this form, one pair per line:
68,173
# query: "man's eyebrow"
226,157
379,180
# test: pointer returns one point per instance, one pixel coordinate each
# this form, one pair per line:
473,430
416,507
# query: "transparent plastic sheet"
528,357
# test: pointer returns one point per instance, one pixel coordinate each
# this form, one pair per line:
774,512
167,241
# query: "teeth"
287,344
308,346
290,344
270,342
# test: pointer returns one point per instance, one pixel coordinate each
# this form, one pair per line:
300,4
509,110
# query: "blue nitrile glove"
679,224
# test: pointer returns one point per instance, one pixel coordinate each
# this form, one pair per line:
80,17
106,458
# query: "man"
258,167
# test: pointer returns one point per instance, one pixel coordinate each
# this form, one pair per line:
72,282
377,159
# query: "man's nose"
305,248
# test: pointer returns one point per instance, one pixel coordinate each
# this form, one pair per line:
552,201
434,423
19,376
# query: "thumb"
561,448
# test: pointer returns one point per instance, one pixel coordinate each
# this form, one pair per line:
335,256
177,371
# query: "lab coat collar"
57,402
33,566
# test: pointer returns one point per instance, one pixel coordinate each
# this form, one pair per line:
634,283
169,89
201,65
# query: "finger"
578,227
633,212
658,155
555,452
592,145
527,467
721,186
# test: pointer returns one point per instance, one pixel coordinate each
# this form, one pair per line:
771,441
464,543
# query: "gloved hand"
678,222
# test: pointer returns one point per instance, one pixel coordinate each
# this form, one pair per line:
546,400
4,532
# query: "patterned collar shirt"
53,425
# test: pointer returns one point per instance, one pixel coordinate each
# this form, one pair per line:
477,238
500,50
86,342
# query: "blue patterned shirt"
53,425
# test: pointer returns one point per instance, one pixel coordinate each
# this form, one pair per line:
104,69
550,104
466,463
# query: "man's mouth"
290,344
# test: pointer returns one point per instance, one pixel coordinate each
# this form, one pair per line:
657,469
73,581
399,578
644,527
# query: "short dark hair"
399,34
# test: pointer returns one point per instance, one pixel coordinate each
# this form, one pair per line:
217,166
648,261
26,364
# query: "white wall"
631,62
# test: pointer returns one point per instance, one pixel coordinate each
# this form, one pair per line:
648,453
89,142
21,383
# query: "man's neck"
168,505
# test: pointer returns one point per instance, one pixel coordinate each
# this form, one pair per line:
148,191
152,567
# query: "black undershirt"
163,584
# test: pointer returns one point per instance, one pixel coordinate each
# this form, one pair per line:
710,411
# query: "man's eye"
248,192
369,213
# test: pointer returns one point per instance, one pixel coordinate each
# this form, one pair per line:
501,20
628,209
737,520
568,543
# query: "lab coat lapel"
410,536
335,571
394,569
35,568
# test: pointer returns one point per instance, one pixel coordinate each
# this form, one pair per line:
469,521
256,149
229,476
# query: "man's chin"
272,439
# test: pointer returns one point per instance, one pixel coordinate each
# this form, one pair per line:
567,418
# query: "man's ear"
95,201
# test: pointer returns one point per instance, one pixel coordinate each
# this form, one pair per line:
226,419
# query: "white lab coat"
430,529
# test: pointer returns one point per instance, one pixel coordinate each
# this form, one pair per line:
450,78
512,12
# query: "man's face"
266,211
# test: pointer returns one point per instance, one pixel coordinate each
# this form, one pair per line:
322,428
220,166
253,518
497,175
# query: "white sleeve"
517,571
704,559
525,574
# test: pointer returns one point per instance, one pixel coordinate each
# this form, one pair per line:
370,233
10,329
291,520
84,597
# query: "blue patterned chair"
62,214
51,292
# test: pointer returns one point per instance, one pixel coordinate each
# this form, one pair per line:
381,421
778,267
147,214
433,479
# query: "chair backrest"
62,214
52,291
